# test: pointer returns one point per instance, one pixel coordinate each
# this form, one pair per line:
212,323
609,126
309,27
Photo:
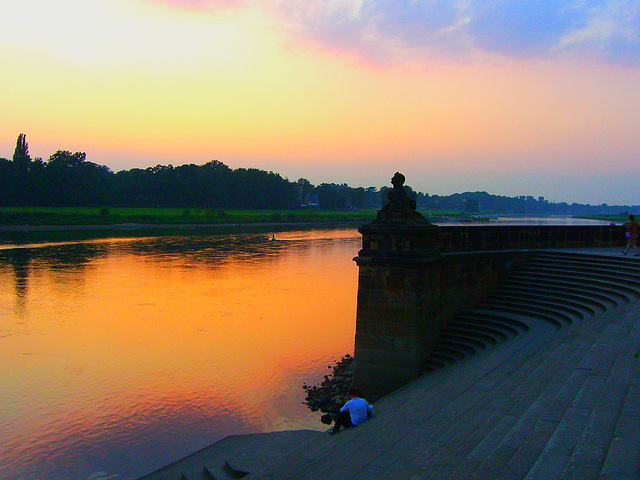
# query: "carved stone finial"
399,205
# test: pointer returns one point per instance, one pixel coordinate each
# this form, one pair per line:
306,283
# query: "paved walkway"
547,404
609,251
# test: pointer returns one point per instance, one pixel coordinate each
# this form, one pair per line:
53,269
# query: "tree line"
69,179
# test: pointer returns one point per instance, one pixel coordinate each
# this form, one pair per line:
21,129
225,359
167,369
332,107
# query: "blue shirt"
358,408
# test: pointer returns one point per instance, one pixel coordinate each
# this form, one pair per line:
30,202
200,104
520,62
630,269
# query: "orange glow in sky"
143,82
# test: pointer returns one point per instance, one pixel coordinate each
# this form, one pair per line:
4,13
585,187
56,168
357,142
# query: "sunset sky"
535,97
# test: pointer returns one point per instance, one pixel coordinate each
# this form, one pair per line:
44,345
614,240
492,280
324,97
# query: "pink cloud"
201,4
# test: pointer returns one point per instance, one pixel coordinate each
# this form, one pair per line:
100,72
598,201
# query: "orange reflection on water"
132,340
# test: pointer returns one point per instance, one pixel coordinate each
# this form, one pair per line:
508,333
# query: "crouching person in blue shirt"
355,412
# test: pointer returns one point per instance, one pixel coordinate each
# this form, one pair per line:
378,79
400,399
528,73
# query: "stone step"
450,351
594,258
463,340
527,316
571,295
563,286
526,438
485,410
505,386
495,314
558,451
235,455
222,472
571,417
599,269
490,326
576,292
477,319
465,348
497,319
623,457
524,307
488,338
598,440
437,355
478,346
530,320
576,274
559,277
493,388
570,383
470,401
606,261
585,308
586,275
566,316
528,403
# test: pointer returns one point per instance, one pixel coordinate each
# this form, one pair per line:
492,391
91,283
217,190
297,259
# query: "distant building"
310,200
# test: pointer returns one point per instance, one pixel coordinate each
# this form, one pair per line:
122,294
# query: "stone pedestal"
398,303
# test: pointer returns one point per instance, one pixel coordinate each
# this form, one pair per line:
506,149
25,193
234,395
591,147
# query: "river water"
119,356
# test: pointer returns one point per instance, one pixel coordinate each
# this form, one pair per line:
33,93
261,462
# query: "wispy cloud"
382,30
610,30
396,30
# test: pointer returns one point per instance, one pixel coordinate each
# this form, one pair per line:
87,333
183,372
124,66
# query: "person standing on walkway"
355,412
632,235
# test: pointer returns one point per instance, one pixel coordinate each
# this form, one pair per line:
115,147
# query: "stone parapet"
398,241
513,237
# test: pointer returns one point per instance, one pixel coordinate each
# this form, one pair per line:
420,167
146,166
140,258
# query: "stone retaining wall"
413,282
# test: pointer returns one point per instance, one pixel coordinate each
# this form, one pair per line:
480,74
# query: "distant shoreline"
16,235
157,226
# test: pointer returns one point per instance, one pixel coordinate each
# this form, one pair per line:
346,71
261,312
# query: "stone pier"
398,287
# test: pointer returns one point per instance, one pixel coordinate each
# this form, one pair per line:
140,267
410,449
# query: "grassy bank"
76,216
79,216
608,218
26,225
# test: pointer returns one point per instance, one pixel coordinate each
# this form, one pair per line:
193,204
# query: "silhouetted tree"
7,184
305,185
21,161
72,181
253,188
333,196
215,184
21,158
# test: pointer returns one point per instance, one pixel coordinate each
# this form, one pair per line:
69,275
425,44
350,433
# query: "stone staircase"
235,456
556,288
540,381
